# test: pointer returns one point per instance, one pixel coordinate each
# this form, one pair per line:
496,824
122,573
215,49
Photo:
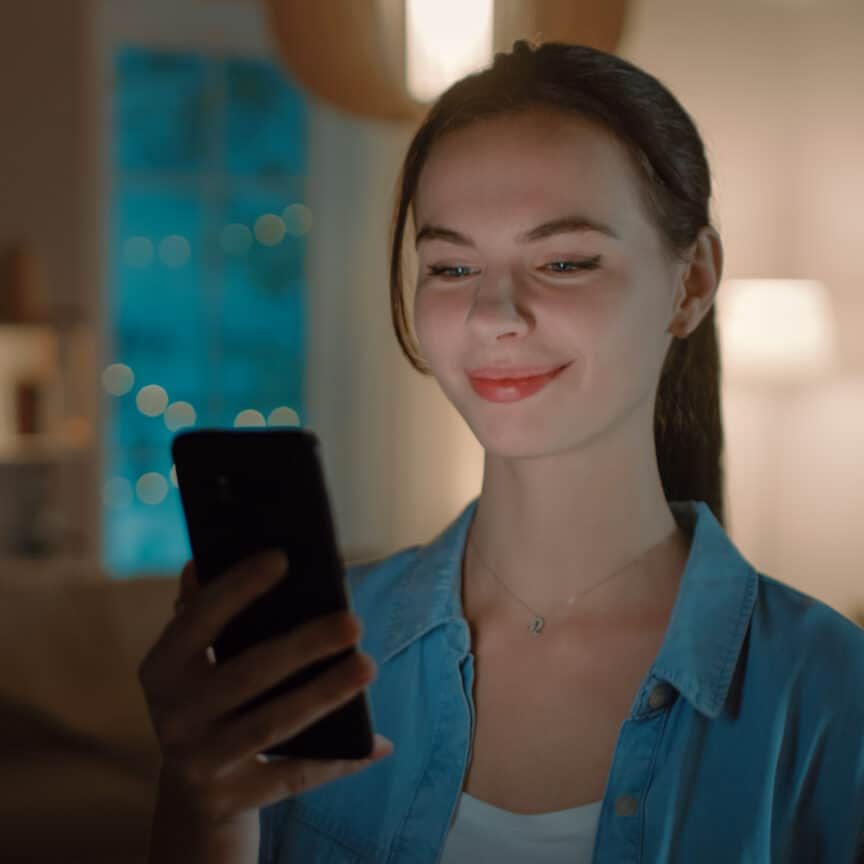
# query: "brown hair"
666,147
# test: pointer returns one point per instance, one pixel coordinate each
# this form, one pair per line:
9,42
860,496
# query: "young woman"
581,667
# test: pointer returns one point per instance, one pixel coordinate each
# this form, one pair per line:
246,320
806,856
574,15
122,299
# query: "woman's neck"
639,598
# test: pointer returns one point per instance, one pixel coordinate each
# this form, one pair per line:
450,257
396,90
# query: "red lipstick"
510,389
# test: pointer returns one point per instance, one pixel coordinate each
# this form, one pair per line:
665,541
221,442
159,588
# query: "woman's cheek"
430,322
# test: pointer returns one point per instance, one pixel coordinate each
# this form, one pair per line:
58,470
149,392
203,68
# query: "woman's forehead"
514,164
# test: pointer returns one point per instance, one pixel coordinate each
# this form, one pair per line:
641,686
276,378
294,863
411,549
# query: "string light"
117,379
151,487
269,230
250,417
152,400
174,251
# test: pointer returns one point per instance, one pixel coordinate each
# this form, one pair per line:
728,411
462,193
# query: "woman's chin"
507,441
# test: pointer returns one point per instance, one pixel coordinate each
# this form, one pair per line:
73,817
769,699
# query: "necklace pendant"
536,626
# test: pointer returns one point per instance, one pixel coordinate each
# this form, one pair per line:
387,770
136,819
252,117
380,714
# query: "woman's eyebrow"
564,225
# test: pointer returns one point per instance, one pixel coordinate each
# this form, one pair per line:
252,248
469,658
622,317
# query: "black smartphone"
247,489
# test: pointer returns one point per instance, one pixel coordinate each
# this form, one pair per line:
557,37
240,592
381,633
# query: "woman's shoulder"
373,585
810,612
366,573
825,645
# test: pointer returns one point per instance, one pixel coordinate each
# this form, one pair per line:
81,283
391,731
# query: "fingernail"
382,747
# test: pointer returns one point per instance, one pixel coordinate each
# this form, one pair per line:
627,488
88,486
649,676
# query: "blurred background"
196,200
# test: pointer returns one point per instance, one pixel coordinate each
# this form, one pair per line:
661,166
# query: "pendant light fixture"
389,59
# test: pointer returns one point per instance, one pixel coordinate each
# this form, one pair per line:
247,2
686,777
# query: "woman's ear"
698,284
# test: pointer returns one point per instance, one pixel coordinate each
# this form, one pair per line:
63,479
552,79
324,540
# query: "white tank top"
482,832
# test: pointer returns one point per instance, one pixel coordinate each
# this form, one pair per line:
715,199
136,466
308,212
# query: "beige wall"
775,88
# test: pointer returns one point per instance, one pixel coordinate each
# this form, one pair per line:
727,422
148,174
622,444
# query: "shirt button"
626,805
660,695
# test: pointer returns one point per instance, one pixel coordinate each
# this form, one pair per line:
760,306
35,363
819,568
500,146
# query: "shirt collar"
706,629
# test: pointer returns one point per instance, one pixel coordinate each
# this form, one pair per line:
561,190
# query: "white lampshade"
444,41
775,330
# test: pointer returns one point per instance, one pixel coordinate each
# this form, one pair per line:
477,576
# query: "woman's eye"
587,264
438,271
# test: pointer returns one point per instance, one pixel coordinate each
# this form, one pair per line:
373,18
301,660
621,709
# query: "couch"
78,756
79,760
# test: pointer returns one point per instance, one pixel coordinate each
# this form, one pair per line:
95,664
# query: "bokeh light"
174,251
250,417
269,229
179,414
117,379
152,400
151,488
283,416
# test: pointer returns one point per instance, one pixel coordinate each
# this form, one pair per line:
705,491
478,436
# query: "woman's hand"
210,761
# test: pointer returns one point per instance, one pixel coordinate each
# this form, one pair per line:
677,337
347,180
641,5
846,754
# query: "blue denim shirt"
745,741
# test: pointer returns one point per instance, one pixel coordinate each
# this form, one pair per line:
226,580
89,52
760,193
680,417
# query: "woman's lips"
496,373
512,389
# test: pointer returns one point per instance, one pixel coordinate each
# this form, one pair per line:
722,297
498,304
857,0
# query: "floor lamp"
778,339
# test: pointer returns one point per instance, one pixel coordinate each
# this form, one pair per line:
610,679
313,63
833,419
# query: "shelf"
49,570
29,449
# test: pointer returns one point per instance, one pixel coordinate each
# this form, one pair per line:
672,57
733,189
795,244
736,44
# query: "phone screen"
244,490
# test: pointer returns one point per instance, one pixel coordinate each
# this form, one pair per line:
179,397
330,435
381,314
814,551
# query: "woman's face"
522,303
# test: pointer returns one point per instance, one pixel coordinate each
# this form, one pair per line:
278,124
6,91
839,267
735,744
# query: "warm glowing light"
250,417
151,400
235,239
775,329
445,40
298,219
174,251
117,493
179,414
269,229
151,488
138,252
76,431
283,416
117,379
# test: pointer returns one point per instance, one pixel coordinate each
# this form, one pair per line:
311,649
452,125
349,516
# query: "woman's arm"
177,837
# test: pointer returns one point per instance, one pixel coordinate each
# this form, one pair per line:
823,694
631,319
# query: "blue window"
205,301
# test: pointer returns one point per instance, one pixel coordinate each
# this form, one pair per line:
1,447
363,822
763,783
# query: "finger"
240,737
199,623
261,666
263,783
